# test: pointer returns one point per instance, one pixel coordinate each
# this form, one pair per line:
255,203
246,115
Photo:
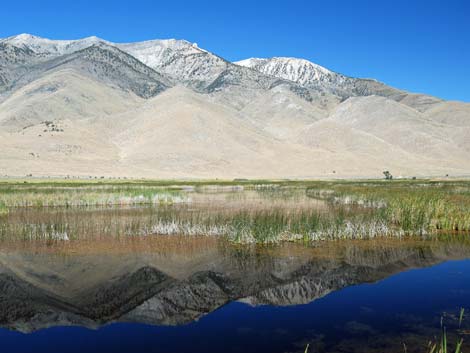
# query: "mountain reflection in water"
176,281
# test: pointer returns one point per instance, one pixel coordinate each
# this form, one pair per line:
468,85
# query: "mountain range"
169,109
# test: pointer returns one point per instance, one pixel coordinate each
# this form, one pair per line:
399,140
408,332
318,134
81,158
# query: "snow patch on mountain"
179,59
301,71
46,46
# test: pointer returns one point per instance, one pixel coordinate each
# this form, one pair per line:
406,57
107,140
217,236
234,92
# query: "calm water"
106,291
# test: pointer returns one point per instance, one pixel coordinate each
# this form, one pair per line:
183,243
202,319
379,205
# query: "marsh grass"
415,208
238,225
3,209
247,213
441,345
461,315
47,196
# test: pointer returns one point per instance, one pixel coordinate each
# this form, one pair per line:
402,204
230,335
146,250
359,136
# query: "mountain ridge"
194,114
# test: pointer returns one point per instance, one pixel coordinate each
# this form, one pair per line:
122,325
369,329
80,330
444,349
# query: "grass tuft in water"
442,346
461,316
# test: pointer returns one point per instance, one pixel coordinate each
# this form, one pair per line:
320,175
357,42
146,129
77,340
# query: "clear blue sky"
417,45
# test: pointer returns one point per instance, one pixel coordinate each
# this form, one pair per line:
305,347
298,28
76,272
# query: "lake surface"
98,280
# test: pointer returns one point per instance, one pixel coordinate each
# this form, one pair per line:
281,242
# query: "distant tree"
388,175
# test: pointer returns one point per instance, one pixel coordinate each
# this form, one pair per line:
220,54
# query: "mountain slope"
298,70
12,55
100,62
283,114
185,63
182,128
369,149
62,95
12,60
314,76
167,108
400,126
178,59
452,113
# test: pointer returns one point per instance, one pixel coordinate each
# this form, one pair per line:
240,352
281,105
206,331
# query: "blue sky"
420,46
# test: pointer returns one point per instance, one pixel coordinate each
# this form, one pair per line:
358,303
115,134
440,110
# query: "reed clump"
441,345
275,226
3,209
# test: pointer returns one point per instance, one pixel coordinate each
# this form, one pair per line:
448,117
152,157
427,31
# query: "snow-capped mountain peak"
154,52
176,58
183,62
46,46
301,71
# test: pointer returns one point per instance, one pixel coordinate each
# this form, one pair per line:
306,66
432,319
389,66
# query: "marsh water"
101,280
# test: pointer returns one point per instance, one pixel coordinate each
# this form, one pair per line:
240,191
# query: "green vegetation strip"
354,209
